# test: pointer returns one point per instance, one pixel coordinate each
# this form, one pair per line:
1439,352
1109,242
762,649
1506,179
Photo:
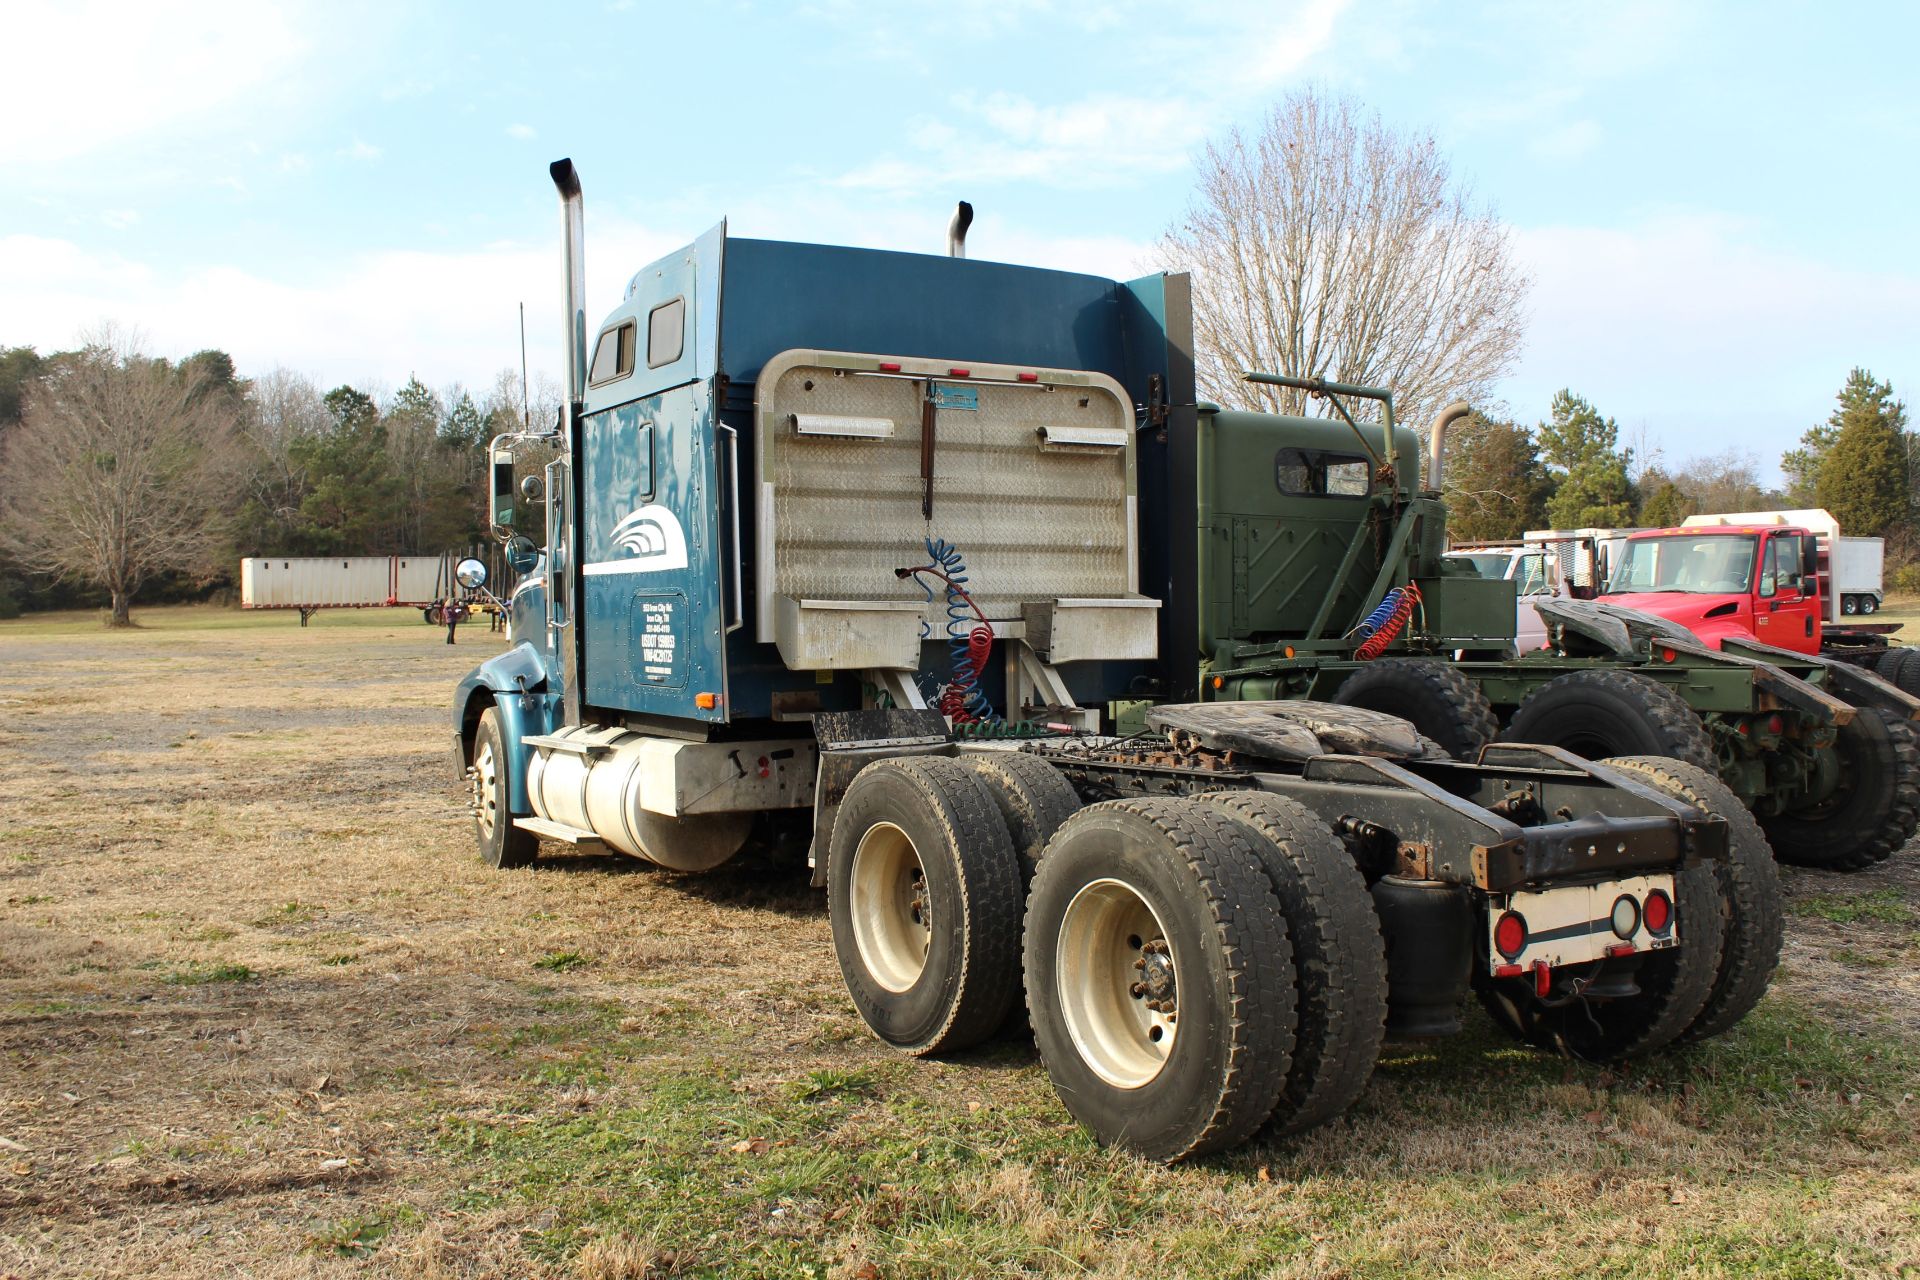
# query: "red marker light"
1668,655
1659,912
1619,949
1508,971
959,373
766,767
1775,724
1029,377
1510,935
1542,979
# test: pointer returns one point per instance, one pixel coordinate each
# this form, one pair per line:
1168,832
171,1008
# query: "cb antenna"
526,413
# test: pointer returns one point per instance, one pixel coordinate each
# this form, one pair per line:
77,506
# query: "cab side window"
613,356
1315,473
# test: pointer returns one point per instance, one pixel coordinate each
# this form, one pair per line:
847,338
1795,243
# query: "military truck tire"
501,843
1876,810
1751,914
1675,987
1339,957
1159,901
1435,696
923,895
1604,713
1033,797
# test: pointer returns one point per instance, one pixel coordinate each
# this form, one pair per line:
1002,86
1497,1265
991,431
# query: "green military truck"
1323,575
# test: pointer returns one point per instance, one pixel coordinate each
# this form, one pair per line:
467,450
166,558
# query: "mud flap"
851,740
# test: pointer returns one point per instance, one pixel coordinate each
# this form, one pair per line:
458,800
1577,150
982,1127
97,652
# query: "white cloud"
1112,138
360,150
119,219
1712,338
162,65
521,131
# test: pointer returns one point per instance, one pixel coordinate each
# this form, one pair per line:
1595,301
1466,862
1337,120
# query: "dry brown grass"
263,1013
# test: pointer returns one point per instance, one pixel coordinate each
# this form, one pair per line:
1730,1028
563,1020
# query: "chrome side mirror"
470,574
521,554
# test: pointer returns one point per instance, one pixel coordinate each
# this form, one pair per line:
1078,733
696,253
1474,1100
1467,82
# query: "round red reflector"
1510,935
1668,655
1775,724
1659,911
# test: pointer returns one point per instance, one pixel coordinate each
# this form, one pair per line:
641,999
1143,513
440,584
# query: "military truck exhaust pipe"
1437,440
957,230
573,220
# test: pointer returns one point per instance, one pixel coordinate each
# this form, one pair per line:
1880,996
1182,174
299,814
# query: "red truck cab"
1755,581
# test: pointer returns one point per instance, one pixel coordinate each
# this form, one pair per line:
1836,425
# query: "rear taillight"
1510,935
1659,912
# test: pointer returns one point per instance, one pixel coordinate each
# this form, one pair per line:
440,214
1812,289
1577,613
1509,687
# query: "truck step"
560,831
572,746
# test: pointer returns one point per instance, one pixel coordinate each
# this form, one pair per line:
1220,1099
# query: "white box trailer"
1851,568
308,583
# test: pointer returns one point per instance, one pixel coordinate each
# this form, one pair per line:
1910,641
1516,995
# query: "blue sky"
1718,202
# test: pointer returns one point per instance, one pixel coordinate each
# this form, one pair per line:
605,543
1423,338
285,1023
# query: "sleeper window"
666,332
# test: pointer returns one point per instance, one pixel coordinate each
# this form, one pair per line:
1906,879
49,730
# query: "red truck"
1755,576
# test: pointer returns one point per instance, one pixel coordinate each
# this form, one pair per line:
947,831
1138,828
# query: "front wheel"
1160,978
501,843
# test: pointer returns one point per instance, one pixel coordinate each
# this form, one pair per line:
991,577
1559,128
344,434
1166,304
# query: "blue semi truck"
897,552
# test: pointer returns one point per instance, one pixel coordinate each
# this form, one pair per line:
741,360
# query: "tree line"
129,476
1573,470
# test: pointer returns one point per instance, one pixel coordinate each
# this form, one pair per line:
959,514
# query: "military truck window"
666,332
1315,473
613,357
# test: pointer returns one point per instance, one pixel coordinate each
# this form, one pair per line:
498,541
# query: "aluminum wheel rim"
892,917
484,780
1105,935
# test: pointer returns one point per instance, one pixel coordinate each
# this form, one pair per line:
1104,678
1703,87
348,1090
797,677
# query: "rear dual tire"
1160,978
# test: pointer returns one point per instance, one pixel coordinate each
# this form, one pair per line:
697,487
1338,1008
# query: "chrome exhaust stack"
574,230
957,230
1437,440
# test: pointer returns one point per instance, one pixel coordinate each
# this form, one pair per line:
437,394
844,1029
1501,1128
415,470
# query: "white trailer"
312,583
1851,569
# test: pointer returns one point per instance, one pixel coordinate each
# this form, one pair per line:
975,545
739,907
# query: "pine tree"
1862,478
1496,485
1584,448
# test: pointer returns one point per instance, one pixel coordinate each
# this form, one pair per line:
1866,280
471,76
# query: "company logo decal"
653,540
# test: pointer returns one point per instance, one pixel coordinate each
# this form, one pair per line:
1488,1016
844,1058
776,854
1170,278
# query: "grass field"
263,1013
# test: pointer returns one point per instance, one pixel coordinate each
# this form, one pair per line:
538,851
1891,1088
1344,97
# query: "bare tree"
288,413
122,468
1325,244
1728,481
